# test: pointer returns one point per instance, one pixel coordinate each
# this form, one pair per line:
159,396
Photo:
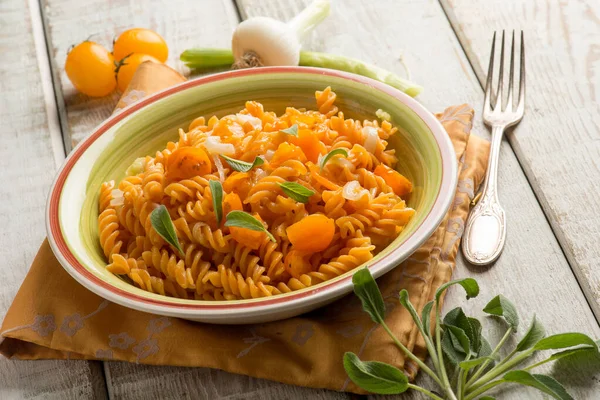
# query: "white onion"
219,166
119,201
371,138
269,155
214,146
343,162
353,191
255,122
117,198
259,173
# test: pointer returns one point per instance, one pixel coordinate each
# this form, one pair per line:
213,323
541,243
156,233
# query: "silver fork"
485,231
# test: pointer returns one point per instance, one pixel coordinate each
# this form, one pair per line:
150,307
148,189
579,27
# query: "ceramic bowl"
423,148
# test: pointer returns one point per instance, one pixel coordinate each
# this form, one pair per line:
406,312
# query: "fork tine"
498,103
488,85
509,100
521,105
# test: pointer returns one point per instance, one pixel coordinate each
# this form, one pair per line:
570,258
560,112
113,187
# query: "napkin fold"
53,316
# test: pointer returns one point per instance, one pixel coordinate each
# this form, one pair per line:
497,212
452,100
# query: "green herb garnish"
162,224
243,166
464,365
216,190
332,153
242,219
292,130
296,191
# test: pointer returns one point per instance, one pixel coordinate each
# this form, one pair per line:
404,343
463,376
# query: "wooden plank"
184,24
532,271
30,151
557,143
150,382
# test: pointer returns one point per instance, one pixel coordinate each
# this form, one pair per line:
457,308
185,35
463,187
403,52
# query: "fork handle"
485,231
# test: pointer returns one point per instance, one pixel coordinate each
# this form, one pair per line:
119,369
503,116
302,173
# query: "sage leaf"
242,219
469,284
296,191
543,383
535,332
216,191
426,317
467,365
162,224
367,291
564,340
462,338
292,130
569,352
453,355
471,327
502,307
457,318
332,153
476,336
485,349
405,301
374,376
243,166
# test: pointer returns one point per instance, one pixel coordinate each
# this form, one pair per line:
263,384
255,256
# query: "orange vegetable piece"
248,237
187,162
313,233
238,182
310,144
296,264
232,202
399,183
287,151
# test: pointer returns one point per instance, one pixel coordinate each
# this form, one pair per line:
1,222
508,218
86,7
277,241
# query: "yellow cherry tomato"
91,69
187,162
128,66
140,40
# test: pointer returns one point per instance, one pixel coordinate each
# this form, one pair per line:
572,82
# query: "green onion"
203,58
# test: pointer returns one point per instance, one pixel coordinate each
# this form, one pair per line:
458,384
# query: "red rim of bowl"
104,289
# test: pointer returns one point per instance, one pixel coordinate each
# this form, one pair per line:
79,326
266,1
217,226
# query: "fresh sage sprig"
332,153
296,191
242,219
162,224
216,190
464,364
292,130
243,166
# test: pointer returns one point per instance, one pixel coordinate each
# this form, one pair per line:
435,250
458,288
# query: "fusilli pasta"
357,206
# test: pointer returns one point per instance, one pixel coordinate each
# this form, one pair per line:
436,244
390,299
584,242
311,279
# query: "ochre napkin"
53,316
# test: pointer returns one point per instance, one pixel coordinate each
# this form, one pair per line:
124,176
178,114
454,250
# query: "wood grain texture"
558,141
183,24
532,271
28,161
165,383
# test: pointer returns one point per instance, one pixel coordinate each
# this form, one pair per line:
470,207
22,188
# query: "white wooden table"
549,171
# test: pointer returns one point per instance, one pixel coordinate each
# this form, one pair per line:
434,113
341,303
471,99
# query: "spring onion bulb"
202,59
264,41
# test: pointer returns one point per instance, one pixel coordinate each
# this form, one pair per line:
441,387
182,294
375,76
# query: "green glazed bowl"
423,148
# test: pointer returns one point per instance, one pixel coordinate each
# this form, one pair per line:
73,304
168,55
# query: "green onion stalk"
206,58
